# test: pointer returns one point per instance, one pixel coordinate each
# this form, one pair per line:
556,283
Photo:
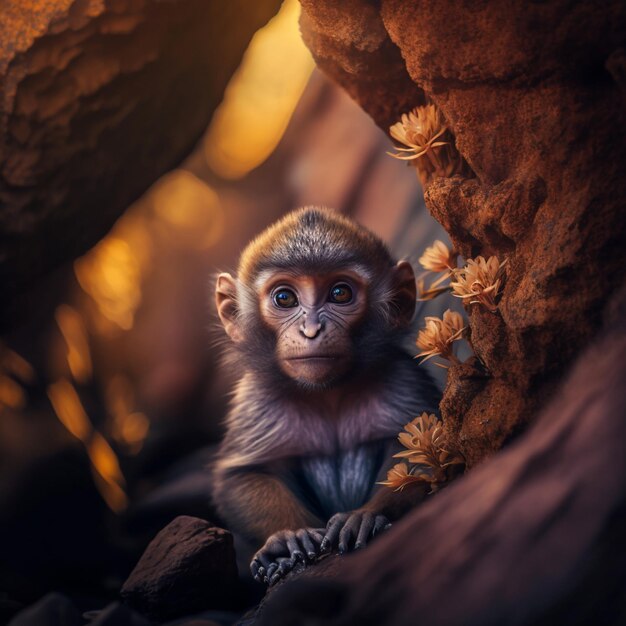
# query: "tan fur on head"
307,235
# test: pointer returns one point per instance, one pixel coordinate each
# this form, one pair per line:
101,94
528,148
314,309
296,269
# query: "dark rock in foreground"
188,567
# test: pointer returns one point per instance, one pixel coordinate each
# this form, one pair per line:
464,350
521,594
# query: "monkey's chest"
343,481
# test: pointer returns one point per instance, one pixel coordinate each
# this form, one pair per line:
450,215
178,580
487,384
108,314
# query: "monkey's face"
313,319
315,325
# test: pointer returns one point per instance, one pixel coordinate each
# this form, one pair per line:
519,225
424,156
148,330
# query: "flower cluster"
428,142
480,281
437,337
431,461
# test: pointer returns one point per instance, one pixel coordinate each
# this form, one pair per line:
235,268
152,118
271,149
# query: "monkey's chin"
317,372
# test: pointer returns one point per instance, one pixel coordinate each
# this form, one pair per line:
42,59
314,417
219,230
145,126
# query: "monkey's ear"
226,302
405,292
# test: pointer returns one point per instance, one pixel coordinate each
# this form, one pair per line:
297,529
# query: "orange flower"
437,337
416,432
438,258
398,477
428,142
428,454
426,446
480,281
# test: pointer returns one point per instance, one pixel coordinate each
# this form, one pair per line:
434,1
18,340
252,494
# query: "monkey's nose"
310,329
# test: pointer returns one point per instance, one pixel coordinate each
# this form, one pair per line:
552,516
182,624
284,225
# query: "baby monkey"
317,316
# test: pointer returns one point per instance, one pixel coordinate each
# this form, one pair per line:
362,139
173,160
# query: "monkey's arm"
258,504
263,509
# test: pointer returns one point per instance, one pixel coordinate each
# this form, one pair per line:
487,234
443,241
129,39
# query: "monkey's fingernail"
358,545
387,527
311,555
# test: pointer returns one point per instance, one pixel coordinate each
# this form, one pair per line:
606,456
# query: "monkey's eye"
341,294
285,299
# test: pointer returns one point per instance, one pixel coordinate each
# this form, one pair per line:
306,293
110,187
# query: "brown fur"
303,440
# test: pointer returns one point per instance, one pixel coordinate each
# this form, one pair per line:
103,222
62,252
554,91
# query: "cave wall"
98,98
535,95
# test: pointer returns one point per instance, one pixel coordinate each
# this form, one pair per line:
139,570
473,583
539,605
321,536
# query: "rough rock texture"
535,535
97,99
535,94
189,566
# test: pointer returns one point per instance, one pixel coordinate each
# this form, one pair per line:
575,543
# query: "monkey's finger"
284,567
334,526
295,550
367,525
381,523
264,559
316,535
332,534
270,572
307,543
255,570
348,532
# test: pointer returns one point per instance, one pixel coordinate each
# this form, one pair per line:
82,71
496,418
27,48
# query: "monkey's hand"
283,550
351,531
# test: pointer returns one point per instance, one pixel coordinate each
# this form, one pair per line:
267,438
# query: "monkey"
317,316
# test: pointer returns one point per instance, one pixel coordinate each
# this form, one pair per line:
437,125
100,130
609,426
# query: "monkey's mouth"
315,369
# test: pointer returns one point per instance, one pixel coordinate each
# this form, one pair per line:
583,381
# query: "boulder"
188,567
97,100
535,95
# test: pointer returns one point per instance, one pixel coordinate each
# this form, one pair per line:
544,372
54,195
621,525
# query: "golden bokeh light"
12,362
182,201
12,395
111,274
133,429
104,462
112,493
106,469
261,97
74,333
69,409
129,428
12,366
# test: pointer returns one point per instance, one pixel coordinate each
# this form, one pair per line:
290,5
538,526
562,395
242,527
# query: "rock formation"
97,100
535,95
189,566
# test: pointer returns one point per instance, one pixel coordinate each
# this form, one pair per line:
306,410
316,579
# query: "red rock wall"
98,98
534,93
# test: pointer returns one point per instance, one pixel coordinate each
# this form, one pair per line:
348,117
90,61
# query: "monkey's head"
316,298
